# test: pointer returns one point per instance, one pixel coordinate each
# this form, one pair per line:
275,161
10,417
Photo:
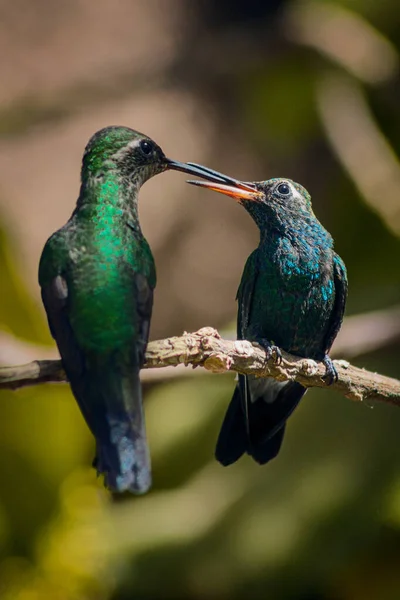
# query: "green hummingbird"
292,295
97,277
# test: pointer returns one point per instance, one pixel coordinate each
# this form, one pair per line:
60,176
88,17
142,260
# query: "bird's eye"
146,147
283,189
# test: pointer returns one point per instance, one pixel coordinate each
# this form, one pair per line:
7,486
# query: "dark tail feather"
268,448
112,406
232,440
272,404
267,419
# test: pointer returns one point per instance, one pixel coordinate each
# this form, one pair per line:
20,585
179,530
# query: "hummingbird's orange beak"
239,190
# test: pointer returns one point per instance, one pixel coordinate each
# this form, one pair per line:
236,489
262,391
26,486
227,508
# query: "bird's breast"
293,298
101,290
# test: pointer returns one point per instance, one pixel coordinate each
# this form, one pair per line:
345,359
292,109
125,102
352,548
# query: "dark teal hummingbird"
97,277
292,295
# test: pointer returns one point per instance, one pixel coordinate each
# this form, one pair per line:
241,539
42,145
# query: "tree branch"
205,348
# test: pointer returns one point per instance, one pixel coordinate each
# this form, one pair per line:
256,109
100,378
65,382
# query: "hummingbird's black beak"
240,190
196,170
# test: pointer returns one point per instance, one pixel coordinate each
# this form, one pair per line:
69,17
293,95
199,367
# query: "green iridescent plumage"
292,296
97,276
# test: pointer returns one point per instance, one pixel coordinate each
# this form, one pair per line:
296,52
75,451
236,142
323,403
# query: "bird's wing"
144,281
55,300
341,286
244,294
53,280
144,303
244,297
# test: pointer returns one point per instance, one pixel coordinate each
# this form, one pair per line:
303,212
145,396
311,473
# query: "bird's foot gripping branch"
205,348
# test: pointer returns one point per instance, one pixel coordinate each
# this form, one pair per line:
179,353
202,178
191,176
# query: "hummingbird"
292,296
97,277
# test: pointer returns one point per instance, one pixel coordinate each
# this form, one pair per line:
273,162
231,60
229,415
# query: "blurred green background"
257,89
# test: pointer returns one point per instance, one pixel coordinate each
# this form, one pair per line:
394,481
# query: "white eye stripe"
128,148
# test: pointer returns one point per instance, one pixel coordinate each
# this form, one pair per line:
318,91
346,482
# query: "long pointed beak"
240,190
196,170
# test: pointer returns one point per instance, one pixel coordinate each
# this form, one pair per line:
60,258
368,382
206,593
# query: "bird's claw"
271,351
331,374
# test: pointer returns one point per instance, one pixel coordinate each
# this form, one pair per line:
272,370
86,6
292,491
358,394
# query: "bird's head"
129,154
273,201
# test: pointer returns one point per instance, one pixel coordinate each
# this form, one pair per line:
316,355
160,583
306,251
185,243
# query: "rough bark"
205,348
